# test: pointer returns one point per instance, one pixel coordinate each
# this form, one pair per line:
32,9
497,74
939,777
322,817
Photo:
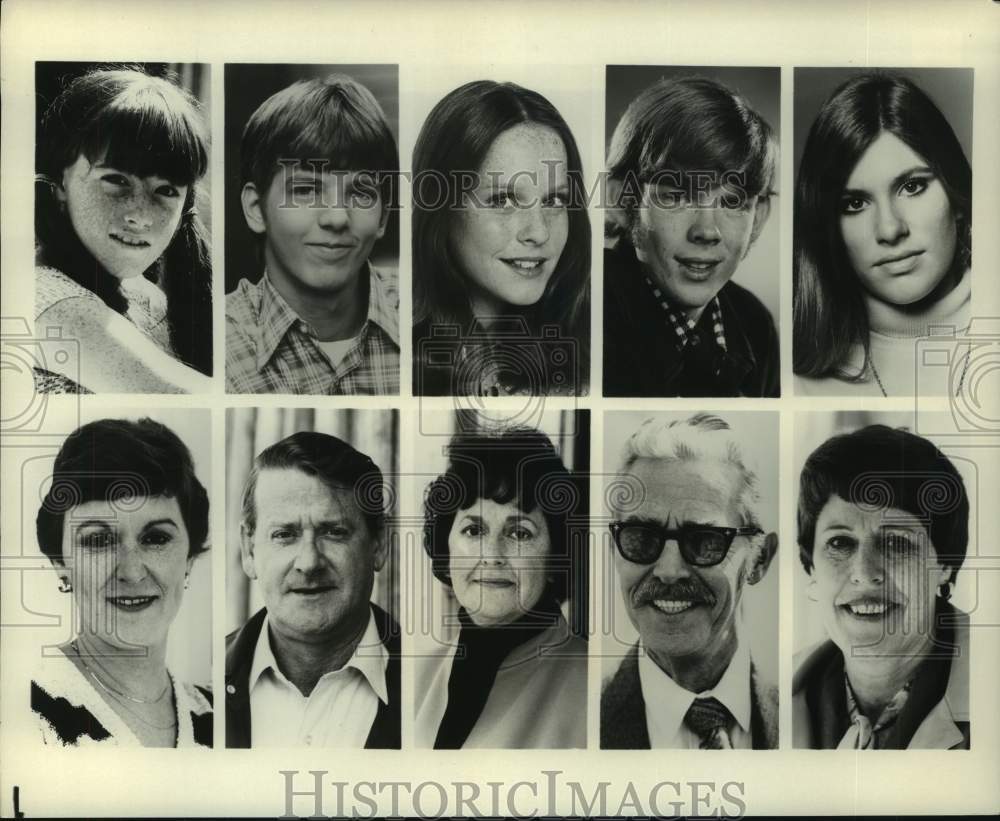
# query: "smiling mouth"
698,269
129,243
132,604
495,582
868,609
672,607
525,266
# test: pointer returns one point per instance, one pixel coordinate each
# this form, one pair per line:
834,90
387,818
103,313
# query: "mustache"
651,589
319,578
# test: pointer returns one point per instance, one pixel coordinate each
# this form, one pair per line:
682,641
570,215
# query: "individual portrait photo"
690,611
312,229
886,521
690,245
122,518
312,588
123,267
500,646
501,236
883,217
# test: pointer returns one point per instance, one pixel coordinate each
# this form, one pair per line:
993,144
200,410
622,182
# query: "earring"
65,585
187,580
944,591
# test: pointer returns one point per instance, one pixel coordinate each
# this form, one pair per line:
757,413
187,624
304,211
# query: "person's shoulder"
243,303
52,286
746,302
806,661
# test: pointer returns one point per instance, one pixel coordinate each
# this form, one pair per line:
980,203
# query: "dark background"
247,85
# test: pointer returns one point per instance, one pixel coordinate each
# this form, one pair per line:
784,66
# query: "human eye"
472,530
306,191
337,532
283,535
501,199
520,533
97,540
898,544
560,199
115,179
852,204
914,186
157,538
167,190
840,545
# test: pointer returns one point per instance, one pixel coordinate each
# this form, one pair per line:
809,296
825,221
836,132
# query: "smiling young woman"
882,239
122,258
501,247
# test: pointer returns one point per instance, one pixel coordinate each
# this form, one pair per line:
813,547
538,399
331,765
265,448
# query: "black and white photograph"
123,524
691,231
883,227
691,657
123,267
501,235
886,521
312,229
312,589
500,647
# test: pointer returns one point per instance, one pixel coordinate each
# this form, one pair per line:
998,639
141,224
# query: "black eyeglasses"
700,545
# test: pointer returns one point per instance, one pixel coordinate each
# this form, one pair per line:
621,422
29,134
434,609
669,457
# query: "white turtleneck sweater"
901,363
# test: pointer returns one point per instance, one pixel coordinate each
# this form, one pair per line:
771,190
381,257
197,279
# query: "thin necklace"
112,690
871,364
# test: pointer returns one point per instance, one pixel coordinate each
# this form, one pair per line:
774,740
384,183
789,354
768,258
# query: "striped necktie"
709,719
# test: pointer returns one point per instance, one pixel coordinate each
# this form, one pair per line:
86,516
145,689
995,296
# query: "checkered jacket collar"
277,316
683,326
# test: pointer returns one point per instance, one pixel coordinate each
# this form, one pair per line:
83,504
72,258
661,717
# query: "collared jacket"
623,710
642,359
945,727
240,645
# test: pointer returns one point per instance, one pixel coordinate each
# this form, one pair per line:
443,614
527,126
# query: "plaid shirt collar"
683,326
277,316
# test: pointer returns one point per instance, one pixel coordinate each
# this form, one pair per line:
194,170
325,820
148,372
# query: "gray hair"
701,436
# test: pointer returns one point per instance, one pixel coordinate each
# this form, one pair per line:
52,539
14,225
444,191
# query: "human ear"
246,552
760,215
379,550
761,559
253,209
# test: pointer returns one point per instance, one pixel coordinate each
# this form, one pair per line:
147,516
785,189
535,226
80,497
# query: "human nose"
533,228
704,229
495,549
890,227
138,212
308,557
671,564
334,217
868,565
131,568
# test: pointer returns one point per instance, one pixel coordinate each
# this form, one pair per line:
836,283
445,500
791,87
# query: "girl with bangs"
501,248
122,257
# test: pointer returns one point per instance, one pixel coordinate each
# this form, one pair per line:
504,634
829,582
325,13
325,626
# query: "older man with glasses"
684,553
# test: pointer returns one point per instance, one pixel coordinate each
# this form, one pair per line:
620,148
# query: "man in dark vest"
685,551
319,664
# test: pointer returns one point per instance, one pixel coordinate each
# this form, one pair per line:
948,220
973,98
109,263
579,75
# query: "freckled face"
876,575
897,223
498,558
128,568
125,221
508,238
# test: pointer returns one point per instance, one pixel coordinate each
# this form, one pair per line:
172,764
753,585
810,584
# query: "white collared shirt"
667,703
339,711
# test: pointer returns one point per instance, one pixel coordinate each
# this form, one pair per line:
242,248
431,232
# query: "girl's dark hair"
829,308
518,465
145,126
878,468
452,144
117,461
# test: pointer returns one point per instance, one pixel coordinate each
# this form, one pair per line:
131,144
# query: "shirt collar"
369,659
667,702
683,326
276,316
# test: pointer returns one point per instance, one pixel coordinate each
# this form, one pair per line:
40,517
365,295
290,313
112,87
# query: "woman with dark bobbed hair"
513,675
883,531
122,257
122,524
883,214
501,247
